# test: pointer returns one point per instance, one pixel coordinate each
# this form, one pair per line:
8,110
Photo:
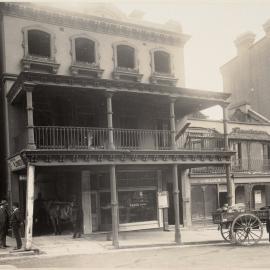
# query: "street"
193,257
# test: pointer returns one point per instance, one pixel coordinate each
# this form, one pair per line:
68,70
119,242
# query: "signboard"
258,196
16,163
163,199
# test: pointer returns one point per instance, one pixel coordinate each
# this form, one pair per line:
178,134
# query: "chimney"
244,41
266,28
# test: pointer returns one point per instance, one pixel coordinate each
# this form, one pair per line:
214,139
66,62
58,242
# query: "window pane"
85,50
162,62
39,43
125,56
137,206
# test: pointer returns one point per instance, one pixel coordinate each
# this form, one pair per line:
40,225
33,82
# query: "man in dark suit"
15,222
4,223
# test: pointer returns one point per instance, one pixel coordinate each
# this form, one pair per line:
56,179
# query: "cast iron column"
110,119
30,117
29,206
172,123
114,204
176,203
230,186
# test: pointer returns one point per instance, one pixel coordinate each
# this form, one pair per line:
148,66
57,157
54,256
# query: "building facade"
249,137
246,75
94,108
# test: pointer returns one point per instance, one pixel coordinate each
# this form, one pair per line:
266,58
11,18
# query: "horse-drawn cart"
241,227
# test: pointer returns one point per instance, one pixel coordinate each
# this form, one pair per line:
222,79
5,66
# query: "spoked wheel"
225,230
246,230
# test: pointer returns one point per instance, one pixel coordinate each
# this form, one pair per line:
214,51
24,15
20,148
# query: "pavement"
63,245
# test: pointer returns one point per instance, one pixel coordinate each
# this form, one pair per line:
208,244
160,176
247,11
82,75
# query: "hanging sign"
163,199
16,163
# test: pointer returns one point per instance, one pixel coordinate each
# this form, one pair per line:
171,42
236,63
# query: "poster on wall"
258,196
163,199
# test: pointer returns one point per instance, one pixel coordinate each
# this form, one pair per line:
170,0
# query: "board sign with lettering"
16,163
163,199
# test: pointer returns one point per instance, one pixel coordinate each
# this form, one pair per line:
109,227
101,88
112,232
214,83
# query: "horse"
59,213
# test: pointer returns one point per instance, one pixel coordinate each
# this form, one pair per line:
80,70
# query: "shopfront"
137,198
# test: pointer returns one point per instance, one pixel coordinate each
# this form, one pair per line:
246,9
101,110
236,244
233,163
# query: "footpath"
63,245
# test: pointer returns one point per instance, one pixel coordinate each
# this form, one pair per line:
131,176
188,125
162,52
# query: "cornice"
93,24
105,157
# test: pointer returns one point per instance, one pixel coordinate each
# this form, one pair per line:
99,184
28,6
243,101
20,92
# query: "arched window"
125,56
39,43
39,49
162,62
85,50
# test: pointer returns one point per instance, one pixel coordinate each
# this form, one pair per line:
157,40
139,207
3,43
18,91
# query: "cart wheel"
246,230
225,230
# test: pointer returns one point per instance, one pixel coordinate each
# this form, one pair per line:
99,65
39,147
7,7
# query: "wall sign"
16,163
258,196
163,199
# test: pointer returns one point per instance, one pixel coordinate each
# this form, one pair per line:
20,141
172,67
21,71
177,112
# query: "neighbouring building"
246,76
94,108
249,137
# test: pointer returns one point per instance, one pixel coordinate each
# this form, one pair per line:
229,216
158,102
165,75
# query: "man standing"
4,223
76,219
15,221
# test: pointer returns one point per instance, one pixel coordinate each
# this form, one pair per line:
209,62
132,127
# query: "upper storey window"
125,62
85,56
162,62
39,43
39,49
85,50
162,68
125,56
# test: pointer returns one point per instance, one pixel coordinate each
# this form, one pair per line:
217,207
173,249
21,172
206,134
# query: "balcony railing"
59,137
251,166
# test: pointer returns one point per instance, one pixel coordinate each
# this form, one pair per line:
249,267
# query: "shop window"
137,206
39,43
125,56
162,62
85,50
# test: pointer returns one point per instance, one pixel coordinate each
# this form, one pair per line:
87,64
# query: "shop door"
94,211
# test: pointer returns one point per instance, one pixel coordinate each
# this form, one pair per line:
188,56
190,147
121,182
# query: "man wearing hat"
4,223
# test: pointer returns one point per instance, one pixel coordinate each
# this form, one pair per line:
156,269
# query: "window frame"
25,31
29,61
73,50
123,72
79,68
152,53
160,77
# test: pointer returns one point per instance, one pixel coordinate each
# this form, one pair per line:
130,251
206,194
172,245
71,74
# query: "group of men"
8,220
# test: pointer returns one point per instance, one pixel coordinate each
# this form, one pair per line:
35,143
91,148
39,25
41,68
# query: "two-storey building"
94,109
249,137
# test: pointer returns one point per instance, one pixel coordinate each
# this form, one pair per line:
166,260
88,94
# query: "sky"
213,26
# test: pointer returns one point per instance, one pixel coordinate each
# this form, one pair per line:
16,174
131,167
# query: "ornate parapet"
93,23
